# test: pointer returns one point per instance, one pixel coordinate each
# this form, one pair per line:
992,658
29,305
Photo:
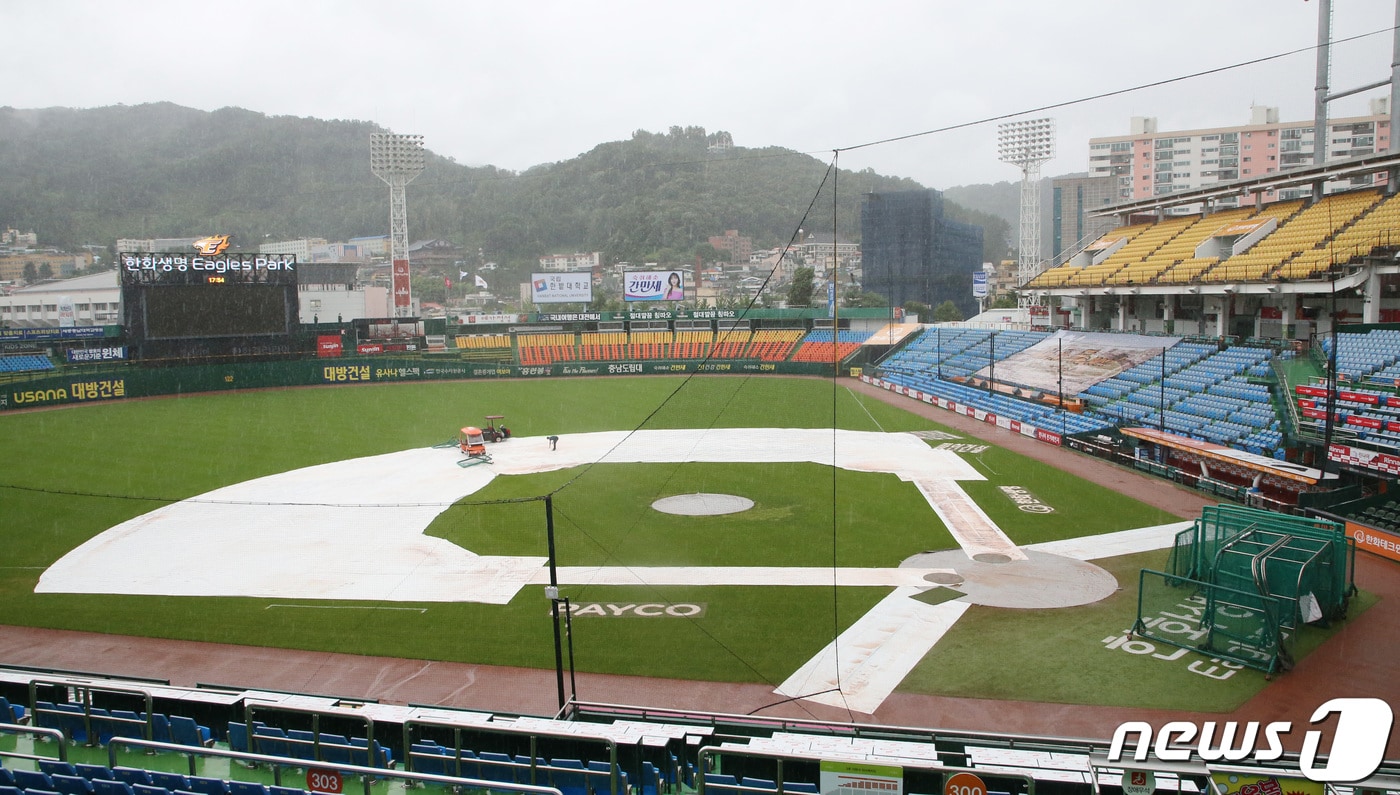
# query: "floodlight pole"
397,159
1026,145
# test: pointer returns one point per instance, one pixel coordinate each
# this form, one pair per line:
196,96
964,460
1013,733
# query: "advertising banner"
403,298
653,286
110,353
979,284
561,288
857,778
328,346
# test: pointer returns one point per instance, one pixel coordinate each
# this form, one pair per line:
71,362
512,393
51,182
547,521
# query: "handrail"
369,774
532,734
251,705
87,689
61,742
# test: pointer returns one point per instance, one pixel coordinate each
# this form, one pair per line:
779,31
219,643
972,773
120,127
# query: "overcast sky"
517,84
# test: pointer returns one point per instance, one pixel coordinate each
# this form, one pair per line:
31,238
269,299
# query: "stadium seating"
25,363
821,345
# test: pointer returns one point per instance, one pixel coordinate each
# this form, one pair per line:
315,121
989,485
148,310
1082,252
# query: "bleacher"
590,749
25,363
772,345
485,347
1205,395
539,349
821,345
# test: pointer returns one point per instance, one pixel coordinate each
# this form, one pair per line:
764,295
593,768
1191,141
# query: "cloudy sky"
517,84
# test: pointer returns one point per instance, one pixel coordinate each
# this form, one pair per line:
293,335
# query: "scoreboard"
222,305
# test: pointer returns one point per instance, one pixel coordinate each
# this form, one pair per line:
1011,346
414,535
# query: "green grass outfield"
71,473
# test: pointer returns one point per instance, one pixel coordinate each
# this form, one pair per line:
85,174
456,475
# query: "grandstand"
113,736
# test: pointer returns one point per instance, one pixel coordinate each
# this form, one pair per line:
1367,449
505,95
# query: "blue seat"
126,723
71,785
237,736
800,787
132,775
285,791
246,788
335,748
10,713
496,767
148,789
94,772
301,744
55,767
101,786
160,726
170,781
9,789
268,740
464,766
32,779
184,731
570,780
759,783
69,719
425,757
203,785
369,753
600,779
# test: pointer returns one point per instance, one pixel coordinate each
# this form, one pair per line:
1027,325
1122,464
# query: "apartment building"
1149,163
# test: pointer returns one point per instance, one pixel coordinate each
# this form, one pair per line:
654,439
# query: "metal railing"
278,763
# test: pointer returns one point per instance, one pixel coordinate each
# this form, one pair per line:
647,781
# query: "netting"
1232,624
1246,579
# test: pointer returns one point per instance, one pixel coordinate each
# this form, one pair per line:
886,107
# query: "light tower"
1027,144
397,159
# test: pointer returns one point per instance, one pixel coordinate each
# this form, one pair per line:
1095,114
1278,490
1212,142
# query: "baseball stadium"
1144,538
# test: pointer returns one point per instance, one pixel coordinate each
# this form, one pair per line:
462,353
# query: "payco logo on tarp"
1356,749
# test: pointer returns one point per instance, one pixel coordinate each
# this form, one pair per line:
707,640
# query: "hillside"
160,170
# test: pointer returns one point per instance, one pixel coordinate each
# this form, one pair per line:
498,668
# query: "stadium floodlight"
397,159
1026,145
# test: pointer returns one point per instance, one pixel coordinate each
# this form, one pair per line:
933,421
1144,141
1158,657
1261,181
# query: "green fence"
130,380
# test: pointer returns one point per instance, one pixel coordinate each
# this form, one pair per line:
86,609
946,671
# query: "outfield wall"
104,383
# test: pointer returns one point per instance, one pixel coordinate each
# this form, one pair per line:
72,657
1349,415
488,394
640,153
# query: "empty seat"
301,744
131,775
71,785
57,767
32,779
93,772
170,781
10,713
570,780
237,736
246,788
202,785
184,731
102,786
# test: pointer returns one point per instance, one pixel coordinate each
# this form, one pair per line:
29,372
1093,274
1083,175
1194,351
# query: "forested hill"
160,170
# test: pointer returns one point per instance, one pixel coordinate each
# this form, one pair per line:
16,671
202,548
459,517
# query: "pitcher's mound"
702,504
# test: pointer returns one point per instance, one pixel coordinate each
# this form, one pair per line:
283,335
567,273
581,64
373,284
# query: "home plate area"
255,539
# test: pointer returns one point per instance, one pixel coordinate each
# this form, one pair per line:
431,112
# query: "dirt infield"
1358,661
